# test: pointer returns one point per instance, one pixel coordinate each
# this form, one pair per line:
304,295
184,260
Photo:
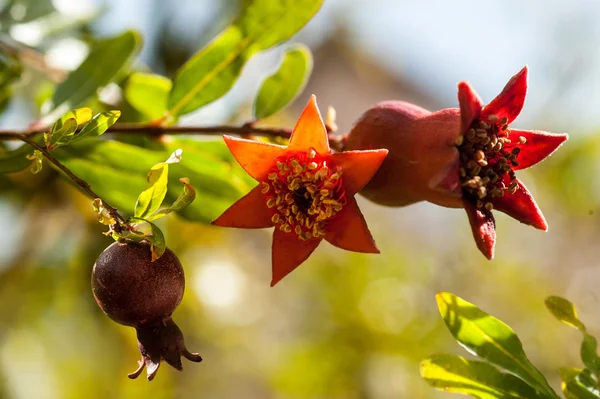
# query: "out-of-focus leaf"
61,135
148,94
213,70
451,373
490,339
97,126
158,177
579,384
38,161
281,88
185,198
588,352
105,60
16,160
117,171
564,311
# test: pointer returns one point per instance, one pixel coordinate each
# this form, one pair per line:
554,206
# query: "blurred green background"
343,325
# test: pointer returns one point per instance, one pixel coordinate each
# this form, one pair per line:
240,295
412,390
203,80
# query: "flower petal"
538,145
358,167
521,206
257,158
289,252
470,105
348,230
510,101
310,130
250,212
483,227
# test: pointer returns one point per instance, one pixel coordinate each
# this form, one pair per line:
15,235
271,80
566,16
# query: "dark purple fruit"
134,291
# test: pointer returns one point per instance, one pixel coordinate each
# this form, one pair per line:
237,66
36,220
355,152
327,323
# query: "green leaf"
144,230
38,161
490,339
210,73
281,88
117,172
105,60
16,160
152,197
97,126
580,385
589,355
148,94
564,311
451,373
62,135
185,198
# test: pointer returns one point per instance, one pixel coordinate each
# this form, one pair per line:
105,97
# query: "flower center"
304,193
487,156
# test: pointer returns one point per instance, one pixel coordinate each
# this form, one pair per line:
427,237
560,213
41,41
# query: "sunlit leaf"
185,198
213,70
152,197
280,89
564,311
97,126
61,135
579,384
143,230
148,93
38,161
451,373
490,339
102,213
117,172
105,60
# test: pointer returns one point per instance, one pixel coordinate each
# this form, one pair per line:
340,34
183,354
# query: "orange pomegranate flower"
306,192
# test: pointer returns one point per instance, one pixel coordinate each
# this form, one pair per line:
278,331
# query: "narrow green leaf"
148,94
61,135
581,386
213,70
281,88
564,311
185,198
97,126
588,352
490,339
451,373
105,60
152,197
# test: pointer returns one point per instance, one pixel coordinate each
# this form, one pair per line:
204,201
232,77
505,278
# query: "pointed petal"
538,145
483,227
470,105
310,130
521,206
358,167
249,212
255,157
348,230
289,252
510,101
448,180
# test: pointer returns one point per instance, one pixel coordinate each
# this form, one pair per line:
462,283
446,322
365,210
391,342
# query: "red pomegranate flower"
491,152
306,191
458,158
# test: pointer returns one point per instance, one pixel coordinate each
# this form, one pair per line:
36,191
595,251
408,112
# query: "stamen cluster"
304,192
487,158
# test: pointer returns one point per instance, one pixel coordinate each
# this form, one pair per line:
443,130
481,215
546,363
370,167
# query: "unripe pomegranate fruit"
422,152
134,291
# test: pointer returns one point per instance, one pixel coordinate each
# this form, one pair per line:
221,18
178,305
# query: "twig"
30,57
81,183
151,130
